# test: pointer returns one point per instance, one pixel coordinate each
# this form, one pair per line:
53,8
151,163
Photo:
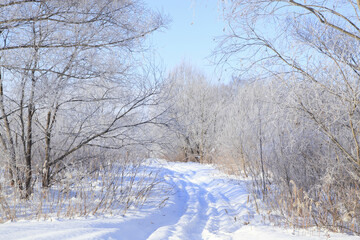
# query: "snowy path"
205,205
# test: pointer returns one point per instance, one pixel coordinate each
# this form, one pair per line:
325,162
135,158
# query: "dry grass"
329,206
112,189
334,209
326,207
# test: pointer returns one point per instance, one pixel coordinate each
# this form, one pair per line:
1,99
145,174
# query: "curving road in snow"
205,204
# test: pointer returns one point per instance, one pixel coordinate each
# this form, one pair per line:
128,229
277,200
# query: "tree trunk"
46,175
46,165
9,142
29,140
29,143
261,155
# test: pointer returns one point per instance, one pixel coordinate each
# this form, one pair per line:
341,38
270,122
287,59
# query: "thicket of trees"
71,84
306,111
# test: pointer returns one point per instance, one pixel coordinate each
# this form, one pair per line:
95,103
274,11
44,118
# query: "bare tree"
194,109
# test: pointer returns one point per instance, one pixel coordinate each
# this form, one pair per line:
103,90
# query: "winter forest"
83,107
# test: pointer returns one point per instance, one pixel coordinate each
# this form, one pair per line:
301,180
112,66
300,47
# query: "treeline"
295,151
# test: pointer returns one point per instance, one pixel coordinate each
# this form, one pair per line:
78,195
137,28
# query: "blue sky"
190,36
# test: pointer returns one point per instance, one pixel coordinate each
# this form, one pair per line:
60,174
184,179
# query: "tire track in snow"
193,219
202,219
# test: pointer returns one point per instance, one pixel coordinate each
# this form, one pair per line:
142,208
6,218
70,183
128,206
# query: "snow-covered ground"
205,204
